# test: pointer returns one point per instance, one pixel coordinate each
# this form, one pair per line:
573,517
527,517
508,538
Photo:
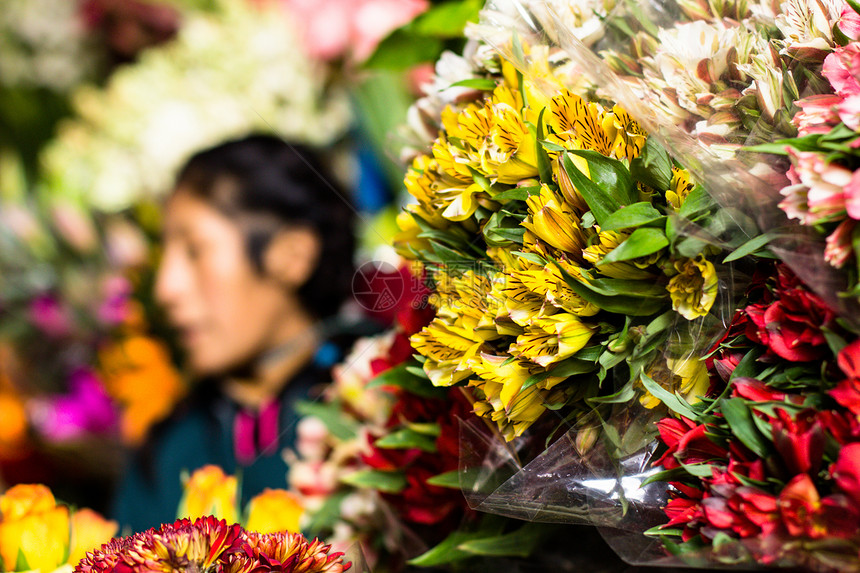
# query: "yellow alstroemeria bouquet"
564,244
38,534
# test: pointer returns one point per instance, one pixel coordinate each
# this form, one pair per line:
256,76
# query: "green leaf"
447,551
627,305
670,400
746,367
698,470
405,439
484,84
653,167
331,414
401,50
517,193
543,162
448,479
629,287
519,543
405,376
634,215
21,561
749,247
642,242
739,418
566,368
626,394
448,19
697,201
602,204
611,175
388,482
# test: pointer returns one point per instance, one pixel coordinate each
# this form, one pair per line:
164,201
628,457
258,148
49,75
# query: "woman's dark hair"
264,183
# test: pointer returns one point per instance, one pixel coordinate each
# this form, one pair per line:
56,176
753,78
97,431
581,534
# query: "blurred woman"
258,254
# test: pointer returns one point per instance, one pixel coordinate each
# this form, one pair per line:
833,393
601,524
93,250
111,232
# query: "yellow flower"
604,243
33,527
553,221
503,398
694,289
685,376
406,240
570,193
513,154
463,323
679,188
550,339
210,492
274,510
626,136
577,124
89,531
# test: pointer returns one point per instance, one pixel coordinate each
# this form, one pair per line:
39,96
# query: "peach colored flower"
89,531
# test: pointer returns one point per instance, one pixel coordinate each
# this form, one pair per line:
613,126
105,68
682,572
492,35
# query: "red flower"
686,441
799,441
846,472
790,326
847,392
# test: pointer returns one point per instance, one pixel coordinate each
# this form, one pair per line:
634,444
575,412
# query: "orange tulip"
274,510
89,531
210,492
34,531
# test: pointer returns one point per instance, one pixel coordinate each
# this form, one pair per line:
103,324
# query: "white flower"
44,43
236,69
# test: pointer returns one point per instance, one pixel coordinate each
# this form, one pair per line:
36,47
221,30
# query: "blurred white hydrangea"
230,71
45,43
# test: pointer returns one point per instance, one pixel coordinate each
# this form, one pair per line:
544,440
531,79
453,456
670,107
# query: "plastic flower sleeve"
711,85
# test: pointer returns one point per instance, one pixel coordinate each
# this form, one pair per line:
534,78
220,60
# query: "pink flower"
852,195
336,28
839,248
817,114
849,111
824,184
849,23
842,69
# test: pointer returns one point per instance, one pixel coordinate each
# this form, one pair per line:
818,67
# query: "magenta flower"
50,316
85,410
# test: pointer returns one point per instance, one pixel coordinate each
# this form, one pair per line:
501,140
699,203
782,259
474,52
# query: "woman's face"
225,312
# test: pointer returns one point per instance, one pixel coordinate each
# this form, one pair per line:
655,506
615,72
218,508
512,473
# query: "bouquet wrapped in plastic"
598,229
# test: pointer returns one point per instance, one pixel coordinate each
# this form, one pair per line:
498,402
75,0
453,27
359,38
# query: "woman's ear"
292,256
